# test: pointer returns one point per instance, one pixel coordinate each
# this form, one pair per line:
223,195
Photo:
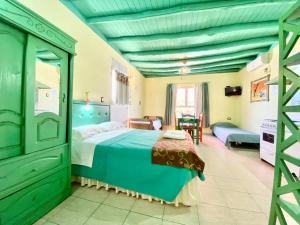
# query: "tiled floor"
237,192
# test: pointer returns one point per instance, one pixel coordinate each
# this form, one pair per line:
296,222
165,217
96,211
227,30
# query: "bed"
122,159
230,134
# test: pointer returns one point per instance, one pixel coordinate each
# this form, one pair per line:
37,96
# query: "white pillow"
83,132
109,126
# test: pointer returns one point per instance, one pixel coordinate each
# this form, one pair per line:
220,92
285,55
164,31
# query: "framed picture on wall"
260,89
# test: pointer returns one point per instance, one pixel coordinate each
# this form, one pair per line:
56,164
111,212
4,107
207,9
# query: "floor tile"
82,206
166,222
120,201
76,213
249,218
225,183
254,186
77,189
40,222
68,217
107,215
139,219
182,214
67,201
234,193
210,181
217,168
238,200
216,223
212,196
94,195
263,201
53,212
154,209
49,223
214,214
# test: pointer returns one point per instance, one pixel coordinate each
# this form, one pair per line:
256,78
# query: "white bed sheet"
83,150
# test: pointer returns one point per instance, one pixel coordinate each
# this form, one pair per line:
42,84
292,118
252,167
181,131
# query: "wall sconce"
102,99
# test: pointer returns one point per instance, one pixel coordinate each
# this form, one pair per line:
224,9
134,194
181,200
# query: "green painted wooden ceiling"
209,36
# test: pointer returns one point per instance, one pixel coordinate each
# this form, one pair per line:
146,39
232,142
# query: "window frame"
186,105
186,96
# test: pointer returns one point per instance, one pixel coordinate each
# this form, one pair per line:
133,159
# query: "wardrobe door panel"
46,94
12,44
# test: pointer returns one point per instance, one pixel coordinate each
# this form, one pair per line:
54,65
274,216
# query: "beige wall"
92,72
221,106
92,65
252,114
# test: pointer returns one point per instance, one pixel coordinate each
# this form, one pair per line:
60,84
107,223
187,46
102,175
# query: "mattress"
232,134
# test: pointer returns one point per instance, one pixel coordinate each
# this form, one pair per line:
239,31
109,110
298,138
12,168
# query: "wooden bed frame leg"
89,183
82,183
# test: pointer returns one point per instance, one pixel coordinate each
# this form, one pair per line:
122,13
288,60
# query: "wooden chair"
188,125
175,121
201,123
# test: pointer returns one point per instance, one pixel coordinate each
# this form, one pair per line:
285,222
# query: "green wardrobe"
35,111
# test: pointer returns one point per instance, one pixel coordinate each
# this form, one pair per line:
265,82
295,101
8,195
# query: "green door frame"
284,181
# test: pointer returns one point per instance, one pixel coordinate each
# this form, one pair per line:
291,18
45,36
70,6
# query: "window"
185,100
119,88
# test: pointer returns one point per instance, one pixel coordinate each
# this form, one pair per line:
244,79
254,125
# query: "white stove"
269,124
268,139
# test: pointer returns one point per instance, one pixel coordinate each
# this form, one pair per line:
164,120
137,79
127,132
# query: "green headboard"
93,113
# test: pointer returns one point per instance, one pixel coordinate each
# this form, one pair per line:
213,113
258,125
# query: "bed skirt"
189,194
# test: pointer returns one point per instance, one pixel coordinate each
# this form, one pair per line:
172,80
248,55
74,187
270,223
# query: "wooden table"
192,122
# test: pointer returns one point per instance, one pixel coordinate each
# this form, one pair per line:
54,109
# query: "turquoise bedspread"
125,161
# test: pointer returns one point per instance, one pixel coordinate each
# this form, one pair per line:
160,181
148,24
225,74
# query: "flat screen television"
232,91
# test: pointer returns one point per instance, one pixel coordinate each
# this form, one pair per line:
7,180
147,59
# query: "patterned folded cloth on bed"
177,153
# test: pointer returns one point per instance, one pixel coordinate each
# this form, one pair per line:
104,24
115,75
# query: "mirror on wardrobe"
47,82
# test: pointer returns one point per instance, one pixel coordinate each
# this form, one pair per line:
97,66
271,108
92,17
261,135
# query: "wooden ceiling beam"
179,9
236,68
198,73
267,28
207,50
199,60
200,66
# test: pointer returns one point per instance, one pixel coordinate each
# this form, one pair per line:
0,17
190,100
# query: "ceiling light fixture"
184,70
